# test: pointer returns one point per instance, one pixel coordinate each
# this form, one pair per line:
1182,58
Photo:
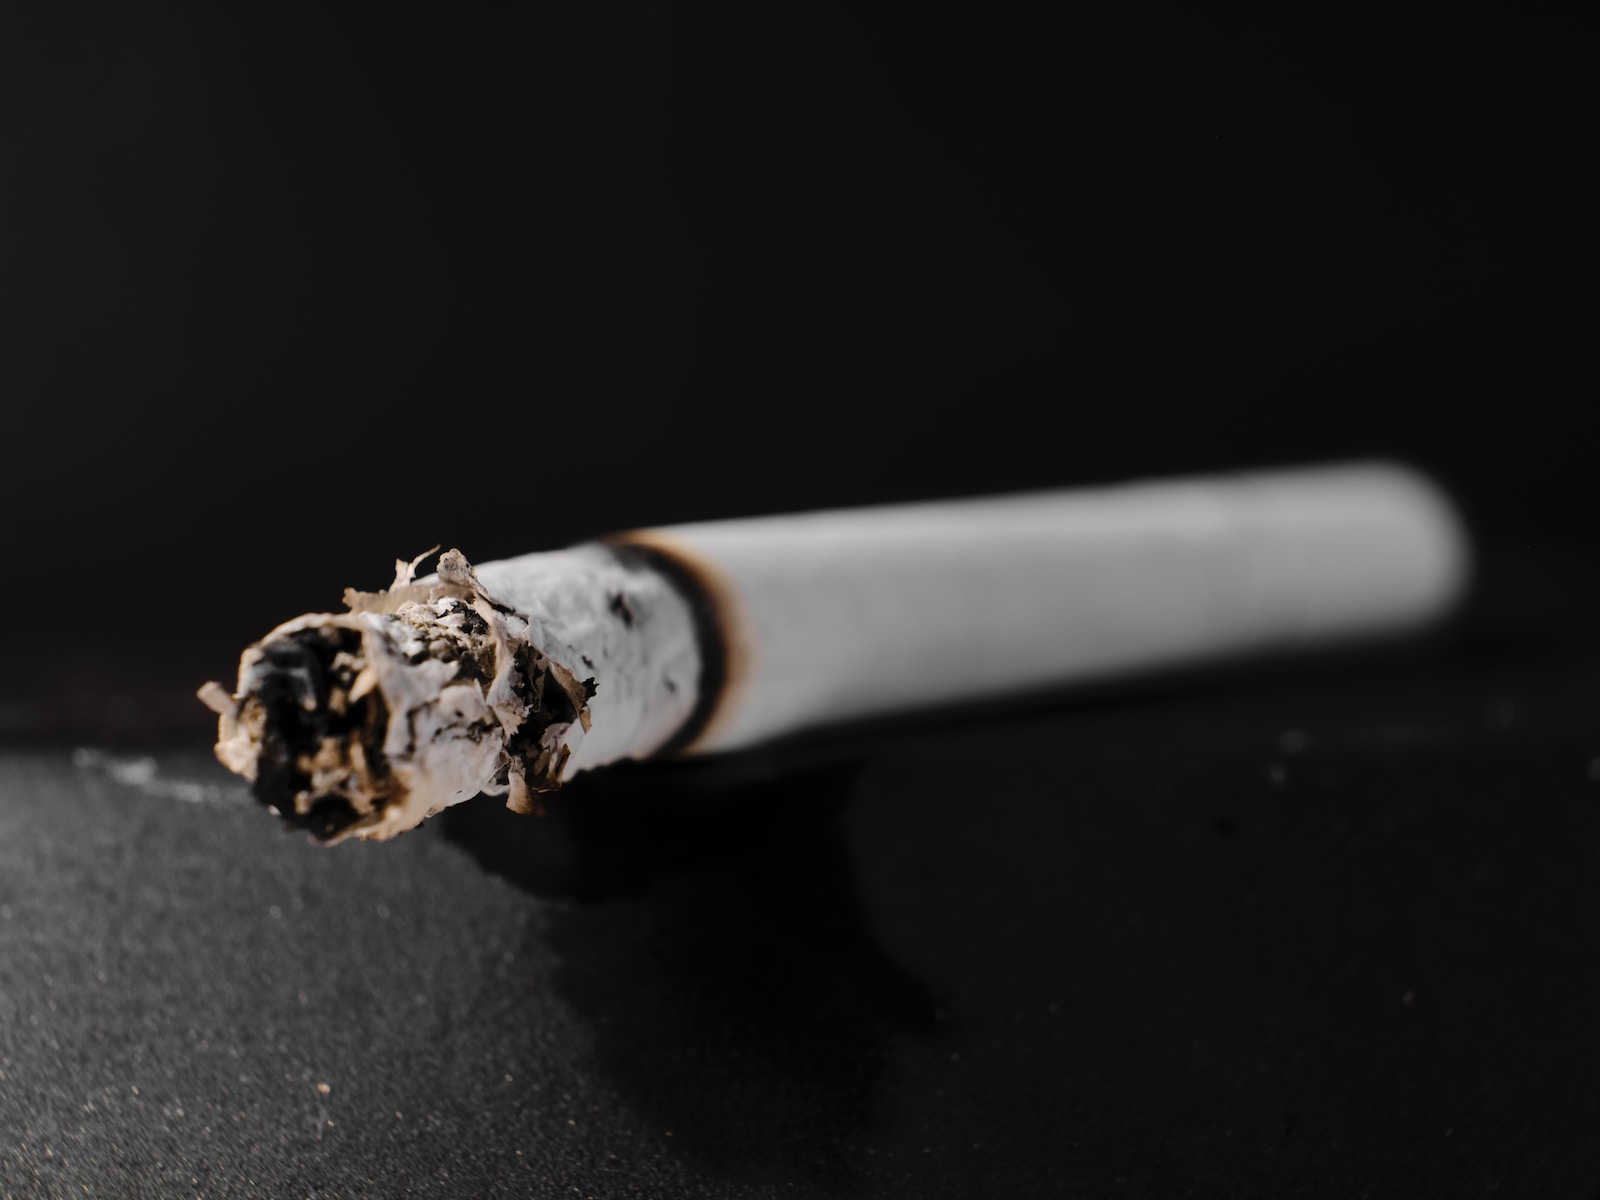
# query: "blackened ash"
472,622
295,682
477,665
547,702
622,609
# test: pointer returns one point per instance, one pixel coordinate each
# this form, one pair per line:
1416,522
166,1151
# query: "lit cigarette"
510,678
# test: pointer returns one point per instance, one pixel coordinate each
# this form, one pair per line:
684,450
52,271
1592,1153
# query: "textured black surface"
1322,932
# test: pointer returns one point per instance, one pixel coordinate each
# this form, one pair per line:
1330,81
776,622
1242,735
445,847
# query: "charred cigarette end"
320,762
716,627
365,723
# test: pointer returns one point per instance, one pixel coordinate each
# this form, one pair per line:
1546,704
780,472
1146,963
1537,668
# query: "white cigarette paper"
510,678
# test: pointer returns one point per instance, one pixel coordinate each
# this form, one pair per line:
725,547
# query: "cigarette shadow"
720,950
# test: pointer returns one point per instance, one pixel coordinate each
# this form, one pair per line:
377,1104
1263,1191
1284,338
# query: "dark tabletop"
1322,929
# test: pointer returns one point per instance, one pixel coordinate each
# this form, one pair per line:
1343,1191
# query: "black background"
285,298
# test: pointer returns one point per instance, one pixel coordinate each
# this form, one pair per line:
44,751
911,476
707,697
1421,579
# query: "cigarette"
510,677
